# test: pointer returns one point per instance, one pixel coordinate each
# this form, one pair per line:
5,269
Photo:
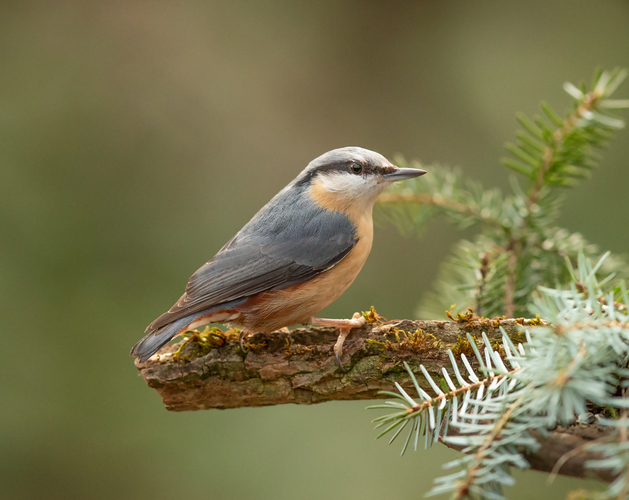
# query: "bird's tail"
155,340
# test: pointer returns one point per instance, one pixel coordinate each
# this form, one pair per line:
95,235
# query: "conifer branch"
440,201
463,490
460,391
589,102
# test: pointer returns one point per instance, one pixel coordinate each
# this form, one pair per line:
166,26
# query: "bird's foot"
346,326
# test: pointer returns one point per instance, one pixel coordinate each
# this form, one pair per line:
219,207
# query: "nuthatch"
297,255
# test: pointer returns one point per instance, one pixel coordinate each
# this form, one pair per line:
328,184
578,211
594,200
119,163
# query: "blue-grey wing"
288,242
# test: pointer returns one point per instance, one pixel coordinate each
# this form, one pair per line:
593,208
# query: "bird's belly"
275,309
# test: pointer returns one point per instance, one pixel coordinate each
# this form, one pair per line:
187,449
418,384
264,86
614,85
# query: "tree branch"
299,367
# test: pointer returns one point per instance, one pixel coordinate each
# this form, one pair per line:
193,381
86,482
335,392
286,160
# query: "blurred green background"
136,137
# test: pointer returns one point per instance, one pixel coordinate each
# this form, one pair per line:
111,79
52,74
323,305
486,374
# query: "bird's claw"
241,340
338,361
345,325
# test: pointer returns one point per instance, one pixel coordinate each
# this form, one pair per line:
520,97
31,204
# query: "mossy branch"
298,367
211,371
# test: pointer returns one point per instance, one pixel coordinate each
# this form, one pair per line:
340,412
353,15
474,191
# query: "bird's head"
351,178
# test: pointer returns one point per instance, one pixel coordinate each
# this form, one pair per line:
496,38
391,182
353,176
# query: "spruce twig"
463,490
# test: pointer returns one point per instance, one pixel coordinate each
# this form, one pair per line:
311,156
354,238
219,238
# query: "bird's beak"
400,174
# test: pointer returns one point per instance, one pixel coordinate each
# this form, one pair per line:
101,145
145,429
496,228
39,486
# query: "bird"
296,256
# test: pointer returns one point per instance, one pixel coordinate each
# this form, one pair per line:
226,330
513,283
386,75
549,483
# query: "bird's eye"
356,168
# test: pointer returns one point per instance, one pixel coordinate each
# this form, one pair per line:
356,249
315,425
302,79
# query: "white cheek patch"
348,185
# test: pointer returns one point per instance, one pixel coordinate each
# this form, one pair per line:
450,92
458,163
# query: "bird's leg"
346,326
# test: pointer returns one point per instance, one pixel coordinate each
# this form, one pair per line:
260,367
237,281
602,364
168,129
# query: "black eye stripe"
339,166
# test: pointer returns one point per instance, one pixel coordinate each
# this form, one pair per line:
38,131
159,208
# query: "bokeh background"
136,137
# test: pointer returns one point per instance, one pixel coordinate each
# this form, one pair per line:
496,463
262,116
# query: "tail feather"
155,340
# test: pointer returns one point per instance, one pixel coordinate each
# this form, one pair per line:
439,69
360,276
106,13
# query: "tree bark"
299,367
